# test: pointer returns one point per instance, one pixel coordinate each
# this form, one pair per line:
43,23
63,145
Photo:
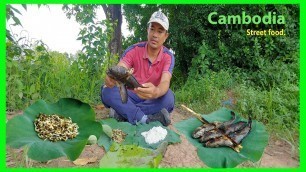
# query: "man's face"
157,35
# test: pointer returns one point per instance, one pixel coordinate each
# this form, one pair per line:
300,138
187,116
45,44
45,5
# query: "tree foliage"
91,34
11,14
101,39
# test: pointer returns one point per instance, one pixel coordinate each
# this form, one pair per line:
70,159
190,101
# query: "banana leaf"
20,130
134,134
225,157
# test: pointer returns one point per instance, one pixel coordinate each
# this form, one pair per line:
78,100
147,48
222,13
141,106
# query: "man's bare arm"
152,92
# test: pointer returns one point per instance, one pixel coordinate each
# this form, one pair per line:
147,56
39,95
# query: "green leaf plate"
20,130
224,157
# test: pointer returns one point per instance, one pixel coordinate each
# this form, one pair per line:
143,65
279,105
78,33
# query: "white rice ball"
154,135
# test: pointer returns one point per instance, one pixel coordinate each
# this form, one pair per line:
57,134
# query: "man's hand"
149,92
109,82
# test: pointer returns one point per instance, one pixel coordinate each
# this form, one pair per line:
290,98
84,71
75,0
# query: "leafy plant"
20,130
132,156
253,145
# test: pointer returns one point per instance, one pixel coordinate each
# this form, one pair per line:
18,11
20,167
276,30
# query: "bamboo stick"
196,114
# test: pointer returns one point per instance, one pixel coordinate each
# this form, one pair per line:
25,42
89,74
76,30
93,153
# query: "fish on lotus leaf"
220,134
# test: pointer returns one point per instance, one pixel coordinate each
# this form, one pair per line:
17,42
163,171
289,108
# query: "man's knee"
107,94
168,100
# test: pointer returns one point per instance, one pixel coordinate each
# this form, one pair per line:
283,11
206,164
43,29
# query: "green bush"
205,93
50,75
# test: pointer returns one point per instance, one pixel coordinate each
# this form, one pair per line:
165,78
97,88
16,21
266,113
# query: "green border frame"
3,73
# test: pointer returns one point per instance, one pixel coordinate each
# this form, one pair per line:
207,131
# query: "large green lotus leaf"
253,145
20,130
132,156
134,134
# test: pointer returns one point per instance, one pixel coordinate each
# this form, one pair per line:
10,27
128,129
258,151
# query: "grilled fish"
228,133
234,127
219,142
198,132
223,141
212,134
225,124
239,135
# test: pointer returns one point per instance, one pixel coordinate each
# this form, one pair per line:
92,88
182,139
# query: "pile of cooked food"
118,135
55,128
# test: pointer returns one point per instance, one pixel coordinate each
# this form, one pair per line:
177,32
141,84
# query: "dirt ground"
278,153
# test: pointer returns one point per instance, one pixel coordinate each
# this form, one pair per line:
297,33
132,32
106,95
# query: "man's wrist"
157,92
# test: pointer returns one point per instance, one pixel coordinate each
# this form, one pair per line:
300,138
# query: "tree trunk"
113,14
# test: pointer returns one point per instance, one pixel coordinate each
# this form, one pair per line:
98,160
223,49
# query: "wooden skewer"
196,114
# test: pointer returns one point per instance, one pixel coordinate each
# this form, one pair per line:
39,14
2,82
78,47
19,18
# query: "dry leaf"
84,161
